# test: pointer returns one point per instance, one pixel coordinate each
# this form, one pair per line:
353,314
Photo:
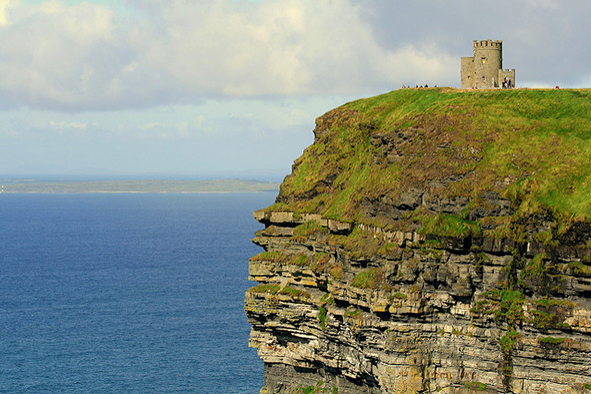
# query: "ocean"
134,293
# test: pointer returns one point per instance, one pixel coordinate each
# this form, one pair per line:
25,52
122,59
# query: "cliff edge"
432,240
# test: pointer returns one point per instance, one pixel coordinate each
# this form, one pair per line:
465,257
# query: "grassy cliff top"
413,152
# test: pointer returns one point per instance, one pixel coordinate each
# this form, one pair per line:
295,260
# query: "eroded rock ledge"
363,311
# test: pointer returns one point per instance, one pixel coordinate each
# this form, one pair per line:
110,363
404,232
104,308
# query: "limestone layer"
435,323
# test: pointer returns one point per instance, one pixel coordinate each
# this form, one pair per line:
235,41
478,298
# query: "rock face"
382,297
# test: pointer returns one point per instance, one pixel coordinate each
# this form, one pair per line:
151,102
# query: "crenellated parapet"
488,44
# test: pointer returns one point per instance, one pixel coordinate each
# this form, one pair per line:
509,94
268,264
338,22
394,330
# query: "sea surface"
127,293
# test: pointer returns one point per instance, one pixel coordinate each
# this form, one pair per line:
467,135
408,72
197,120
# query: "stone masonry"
485,70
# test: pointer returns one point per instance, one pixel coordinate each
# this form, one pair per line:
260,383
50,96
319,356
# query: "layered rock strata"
413,315
352,306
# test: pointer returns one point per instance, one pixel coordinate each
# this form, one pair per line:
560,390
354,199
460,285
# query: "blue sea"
127,293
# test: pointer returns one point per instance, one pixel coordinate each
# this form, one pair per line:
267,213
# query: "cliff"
432,240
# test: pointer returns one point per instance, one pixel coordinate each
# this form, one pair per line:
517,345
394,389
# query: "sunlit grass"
531,146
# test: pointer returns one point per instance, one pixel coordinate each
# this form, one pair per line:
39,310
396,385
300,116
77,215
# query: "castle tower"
488,60
485,68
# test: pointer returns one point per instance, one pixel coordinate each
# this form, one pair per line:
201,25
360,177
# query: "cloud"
58,56
3,18
426,65
549,4
282,48
63,125
107,55
87,56
164,130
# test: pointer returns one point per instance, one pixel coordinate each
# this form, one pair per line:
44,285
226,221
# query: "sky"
231,88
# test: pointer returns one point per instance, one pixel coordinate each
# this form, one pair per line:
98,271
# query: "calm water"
127,293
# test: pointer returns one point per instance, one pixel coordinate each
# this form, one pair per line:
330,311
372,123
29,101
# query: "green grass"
508,341
580,269
363,243
505,304
272,256
294,293
265,288
337,272
549,313
475,386
447,225
531,146
536,267
322,318
307,230
372,278
320,387
399,296
552,340
278,256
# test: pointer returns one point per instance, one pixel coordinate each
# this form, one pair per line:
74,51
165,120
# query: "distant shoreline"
137,186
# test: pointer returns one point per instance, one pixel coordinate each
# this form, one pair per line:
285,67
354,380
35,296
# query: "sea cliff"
431,240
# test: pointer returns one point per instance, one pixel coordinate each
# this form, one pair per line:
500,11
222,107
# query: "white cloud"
283,48
87,57
420,66
58,56
163,130
3,6
150,85
64,126
99,56
549,4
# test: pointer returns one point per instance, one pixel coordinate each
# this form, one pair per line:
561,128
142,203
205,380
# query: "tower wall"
488,60
510,74
485,69
467,72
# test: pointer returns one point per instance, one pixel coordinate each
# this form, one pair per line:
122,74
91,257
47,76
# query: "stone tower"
485,68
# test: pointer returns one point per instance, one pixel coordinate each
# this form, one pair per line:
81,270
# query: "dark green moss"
552,340
477,386
322,317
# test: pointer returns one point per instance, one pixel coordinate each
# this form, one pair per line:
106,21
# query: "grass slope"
532,147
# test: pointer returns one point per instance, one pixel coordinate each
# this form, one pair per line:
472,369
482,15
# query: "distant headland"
138,186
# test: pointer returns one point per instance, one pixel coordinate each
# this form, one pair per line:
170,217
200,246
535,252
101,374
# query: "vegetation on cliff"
432,240
451,162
